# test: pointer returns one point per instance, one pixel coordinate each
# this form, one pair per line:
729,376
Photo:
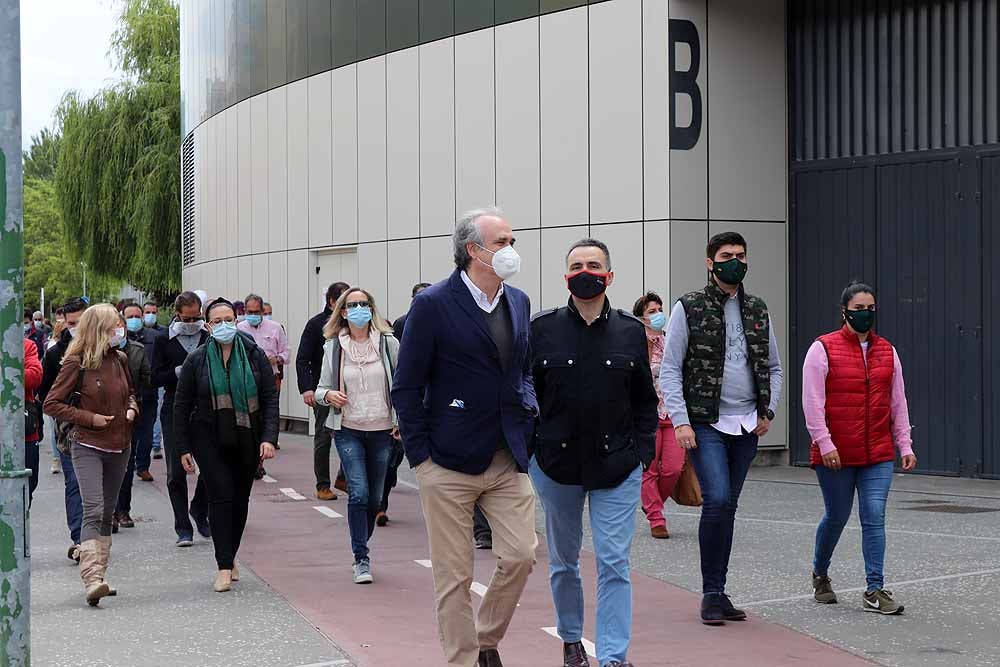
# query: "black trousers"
177,487
391,475
228,477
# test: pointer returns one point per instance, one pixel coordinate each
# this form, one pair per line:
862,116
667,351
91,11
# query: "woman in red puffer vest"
854,402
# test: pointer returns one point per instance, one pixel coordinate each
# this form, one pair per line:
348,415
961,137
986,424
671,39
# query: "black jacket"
309,358
194,416
597,403
168,354
399,326
52,363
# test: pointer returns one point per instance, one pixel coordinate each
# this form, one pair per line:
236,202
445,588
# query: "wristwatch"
770,415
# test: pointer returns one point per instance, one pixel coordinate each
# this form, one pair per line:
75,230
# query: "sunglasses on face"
357,304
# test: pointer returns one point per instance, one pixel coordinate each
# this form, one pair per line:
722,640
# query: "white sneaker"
56,466
363,572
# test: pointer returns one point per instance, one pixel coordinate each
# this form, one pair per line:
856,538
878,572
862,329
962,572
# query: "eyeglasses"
190,320
357,304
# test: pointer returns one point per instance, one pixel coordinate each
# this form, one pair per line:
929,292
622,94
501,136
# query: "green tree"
49,260
118,176
41,158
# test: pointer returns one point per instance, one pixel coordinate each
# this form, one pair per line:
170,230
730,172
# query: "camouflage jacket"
705,359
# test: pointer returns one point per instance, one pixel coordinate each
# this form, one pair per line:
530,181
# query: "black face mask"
586,285
731,272
861,321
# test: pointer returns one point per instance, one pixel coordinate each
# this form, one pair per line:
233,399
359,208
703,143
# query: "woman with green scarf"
226,419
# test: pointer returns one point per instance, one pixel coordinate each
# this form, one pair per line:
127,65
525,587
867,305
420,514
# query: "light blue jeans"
612,522
871,484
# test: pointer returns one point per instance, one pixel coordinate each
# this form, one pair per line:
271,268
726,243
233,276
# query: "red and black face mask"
586,285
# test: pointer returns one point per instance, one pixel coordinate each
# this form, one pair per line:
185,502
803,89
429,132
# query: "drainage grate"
953,509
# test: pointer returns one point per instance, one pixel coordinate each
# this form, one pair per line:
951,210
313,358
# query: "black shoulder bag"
63,428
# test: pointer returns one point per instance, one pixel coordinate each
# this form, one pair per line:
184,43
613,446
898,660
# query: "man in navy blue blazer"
466,404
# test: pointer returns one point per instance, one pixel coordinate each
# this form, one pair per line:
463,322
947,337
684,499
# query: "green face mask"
731,272
861,321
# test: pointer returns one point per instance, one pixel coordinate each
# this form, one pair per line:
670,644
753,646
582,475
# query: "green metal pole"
15,563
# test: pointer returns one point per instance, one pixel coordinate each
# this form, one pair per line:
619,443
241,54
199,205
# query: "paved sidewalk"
297,604
166,613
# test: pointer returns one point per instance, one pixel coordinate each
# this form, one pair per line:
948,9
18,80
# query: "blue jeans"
612,522
872,486
74,505
721,462
365,458
147,429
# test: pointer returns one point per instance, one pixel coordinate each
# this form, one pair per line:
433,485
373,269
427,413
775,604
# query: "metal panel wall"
875,77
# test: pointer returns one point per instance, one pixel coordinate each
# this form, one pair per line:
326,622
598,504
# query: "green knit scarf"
233,388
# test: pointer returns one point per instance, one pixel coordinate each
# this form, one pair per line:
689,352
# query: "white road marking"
812,526
891,585
408,484
587,644
328,512
268,479
334,663
476,587
293,494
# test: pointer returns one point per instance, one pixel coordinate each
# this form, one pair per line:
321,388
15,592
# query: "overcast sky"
64,46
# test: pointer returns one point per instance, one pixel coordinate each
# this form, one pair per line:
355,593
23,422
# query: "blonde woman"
359,359
94,395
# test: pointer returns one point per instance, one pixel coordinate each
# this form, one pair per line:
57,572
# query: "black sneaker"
574,655
484,542
260,473
204,529
158,453
823,590
729,612
185,540
711,610
881,602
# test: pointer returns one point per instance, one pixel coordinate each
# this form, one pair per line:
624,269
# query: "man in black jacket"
149,432
185,335
595,436
51,363
308,366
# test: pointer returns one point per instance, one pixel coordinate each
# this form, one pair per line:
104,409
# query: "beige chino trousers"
448,499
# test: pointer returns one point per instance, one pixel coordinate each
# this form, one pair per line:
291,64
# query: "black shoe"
489,658
202,524
277,446
484,542
114,523
260,473
158,453
729,612
574,655
711,610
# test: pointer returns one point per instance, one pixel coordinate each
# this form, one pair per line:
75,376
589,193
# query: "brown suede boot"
91,572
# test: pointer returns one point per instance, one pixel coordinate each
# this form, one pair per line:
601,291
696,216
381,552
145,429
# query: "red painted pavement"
306,557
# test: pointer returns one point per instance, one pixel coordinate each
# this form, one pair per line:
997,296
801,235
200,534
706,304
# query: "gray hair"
253,297
467,231
592,243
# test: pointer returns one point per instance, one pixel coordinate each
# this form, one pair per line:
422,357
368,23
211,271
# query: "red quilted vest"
858,399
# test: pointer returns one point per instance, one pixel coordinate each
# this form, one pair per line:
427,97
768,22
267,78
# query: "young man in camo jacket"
721,380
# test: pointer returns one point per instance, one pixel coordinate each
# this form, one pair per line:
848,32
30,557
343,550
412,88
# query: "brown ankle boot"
91,572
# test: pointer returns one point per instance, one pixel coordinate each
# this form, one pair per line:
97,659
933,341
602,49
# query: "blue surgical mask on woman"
133,324
149,319
224,332
658,320
360,316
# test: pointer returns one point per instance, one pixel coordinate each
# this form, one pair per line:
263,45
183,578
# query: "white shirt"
479,296
731,424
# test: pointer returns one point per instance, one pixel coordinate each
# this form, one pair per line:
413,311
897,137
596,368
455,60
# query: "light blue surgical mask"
133,324
149,319
254,320
224,332
658,320
123,344
267,317
360,316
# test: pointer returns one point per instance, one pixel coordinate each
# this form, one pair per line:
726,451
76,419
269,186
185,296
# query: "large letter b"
686,83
